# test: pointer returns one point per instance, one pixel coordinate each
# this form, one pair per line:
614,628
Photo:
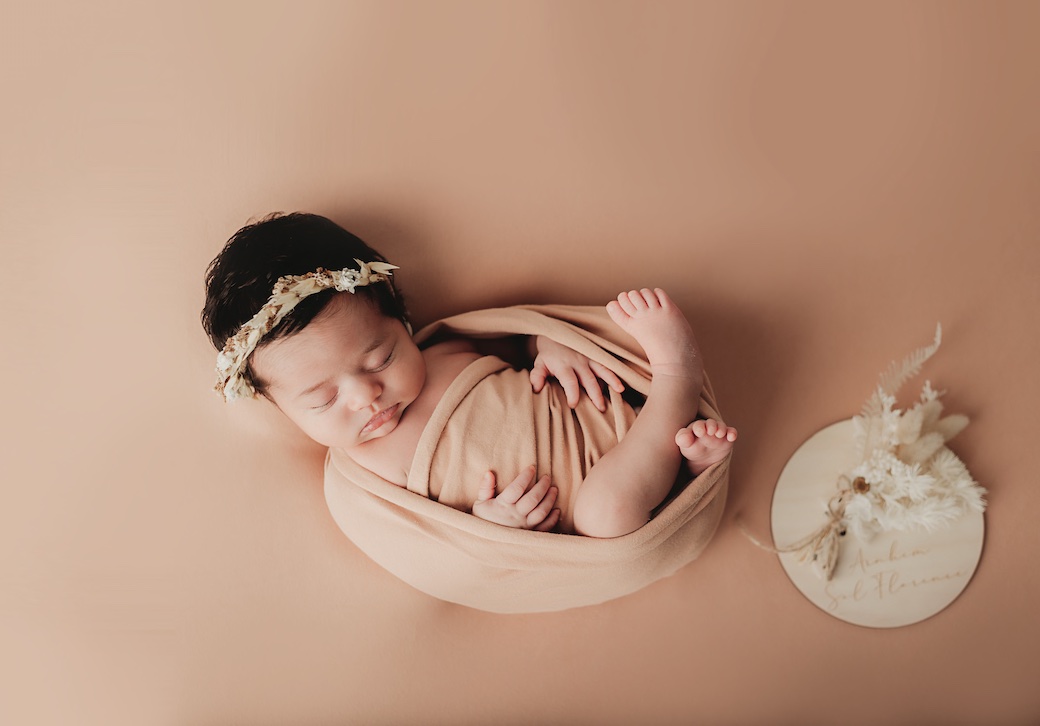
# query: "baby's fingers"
539,513
486,490
569,381
529,501
512,493
539,374
549,522
607,376
591,384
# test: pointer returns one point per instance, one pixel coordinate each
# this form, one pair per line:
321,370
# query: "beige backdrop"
816,183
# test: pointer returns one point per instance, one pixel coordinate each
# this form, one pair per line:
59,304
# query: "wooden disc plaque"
895,579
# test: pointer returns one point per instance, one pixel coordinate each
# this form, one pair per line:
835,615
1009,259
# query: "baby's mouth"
379,419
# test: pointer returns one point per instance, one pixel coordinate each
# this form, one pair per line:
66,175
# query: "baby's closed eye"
324,405
385,361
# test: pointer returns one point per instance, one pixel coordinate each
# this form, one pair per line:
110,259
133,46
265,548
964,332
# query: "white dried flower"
348,280
906,478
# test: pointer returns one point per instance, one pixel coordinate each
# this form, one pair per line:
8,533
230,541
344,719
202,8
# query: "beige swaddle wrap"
490,419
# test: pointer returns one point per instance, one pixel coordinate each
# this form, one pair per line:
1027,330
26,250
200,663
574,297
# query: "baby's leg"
634,477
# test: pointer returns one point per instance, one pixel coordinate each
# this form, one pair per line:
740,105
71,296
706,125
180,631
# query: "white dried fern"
894,378
891,380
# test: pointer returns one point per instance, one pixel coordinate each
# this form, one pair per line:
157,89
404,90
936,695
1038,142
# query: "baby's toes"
650,298
662,298
616,312
685,438
638,299
627,303
690,436
721,431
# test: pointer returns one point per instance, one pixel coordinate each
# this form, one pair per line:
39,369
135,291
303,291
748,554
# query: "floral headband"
287,293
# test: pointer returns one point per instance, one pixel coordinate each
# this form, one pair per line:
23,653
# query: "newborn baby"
334,352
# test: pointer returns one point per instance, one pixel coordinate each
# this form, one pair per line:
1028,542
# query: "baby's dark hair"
239,280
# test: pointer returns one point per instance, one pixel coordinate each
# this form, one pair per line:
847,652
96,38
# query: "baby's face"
347,377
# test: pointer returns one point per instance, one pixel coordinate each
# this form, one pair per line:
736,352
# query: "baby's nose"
363,394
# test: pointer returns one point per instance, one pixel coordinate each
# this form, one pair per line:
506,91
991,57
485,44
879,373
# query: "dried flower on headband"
287,293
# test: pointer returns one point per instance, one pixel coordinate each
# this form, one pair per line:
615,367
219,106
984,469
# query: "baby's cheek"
318,433
418,372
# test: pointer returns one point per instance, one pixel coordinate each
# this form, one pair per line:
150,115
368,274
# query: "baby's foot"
659,327
705,442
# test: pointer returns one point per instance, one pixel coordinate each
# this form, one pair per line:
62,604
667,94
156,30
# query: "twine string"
820,546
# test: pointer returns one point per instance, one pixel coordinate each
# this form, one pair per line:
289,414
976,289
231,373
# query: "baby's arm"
517,506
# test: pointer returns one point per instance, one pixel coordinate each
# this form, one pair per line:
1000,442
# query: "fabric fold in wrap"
489,419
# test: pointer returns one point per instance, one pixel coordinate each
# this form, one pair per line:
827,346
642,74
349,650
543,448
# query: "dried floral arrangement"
906,478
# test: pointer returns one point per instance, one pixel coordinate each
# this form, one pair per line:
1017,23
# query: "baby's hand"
574,372
515,508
